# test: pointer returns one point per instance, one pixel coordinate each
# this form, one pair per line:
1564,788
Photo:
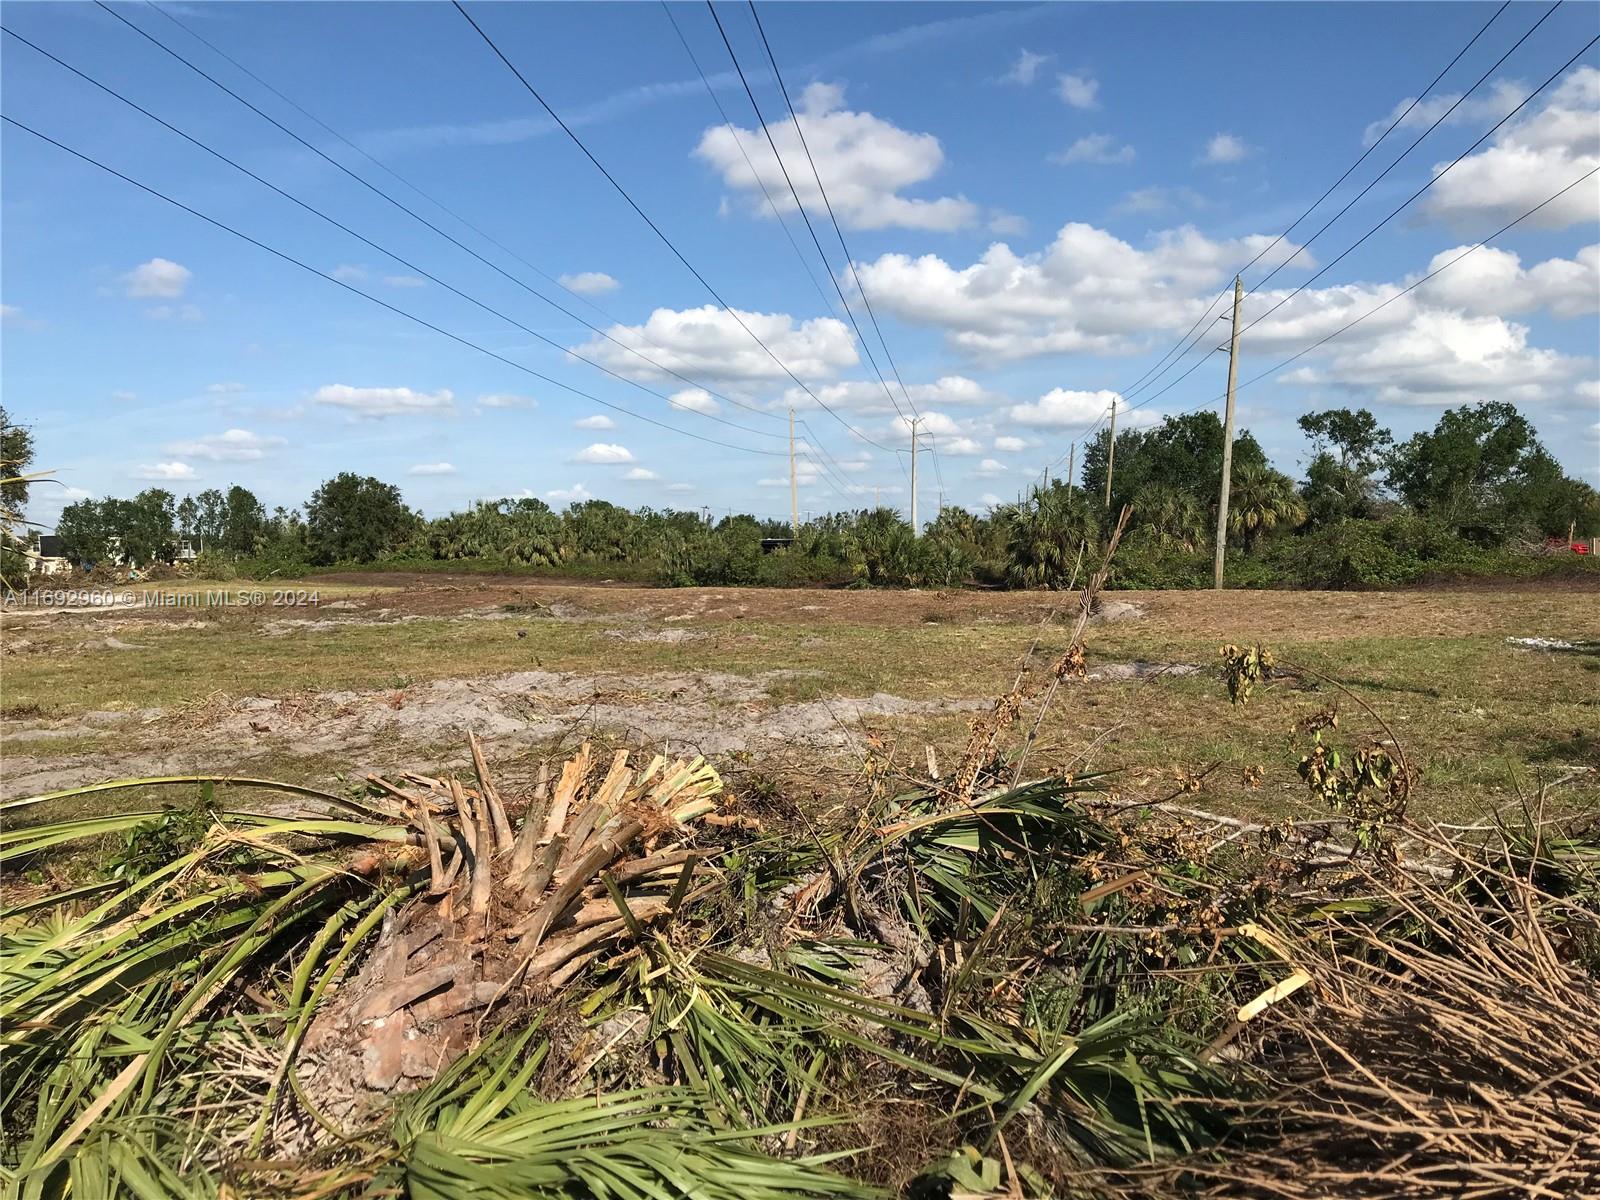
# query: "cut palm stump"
502,916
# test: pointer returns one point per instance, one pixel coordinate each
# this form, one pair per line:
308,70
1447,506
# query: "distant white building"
48,557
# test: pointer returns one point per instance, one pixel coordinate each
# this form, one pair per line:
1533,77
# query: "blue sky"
1039,201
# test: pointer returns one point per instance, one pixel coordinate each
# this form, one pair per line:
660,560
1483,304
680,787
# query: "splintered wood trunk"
506,915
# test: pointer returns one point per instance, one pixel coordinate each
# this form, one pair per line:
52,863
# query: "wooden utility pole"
794,484
1072,457
1111,453
914,526
1227,442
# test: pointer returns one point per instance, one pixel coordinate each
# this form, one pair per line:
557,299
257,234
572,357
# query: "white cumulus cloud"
231,445
695,400
1060,408
641,475
384,401
604,453
589,283
1225,148
160,278
1099,148
1088,292
1490,280
167,472
597,421
438,468
709,343
1527,161
867,161
1026,69
574,493
507,400
1079,90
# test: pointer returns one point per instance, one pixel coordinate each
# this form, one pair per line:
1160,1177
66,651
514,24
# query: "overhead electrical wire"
1438,121
1158,370
1409,288
829,476
1392,215
304,266
1434,179
1438,175
838,230
410,212
772,144
656,229
761,122
381,165
381,249
444,208
727,122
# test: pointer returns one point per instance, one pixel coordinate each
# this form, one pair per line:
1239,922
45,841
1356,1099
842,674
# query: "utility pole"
794,486
1111,455
1227,441
914,526
1072,457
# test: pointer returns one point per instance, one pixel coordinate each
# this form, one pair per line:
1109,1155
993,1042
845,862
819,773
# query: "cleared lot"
790,689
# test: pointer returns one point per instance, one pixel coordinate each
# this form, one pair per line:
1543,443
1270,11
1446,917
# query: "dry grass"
1483,720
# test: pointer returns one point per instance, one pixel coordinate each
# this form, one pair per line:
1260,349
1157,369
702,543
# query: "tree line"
1472,494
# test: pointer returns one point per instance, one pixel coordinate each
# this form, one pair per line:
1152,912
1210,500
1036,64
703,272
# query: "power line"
382,166
1377,308
656,229
1259,284
804,216
409,265
289,258
1435,179
761,122
1393,125
771,204
412,213
833,219
727,121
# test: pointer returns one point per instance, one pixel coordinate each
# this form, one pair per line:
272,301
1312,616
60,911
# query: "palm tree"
1171,515
1259,500
1044,535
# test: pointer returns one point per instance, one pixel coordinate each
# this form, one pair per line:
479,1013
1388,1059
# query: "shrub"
213,564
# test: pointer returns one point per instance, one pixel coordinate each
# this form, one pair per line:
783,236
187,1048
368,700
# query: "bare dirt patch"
703,712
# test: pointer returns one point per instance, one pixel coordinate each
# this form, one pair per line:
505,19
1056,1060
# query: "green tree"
244,522
356,518
1482,472
1045,534
1171,517
1259,501
16,457
211,518
188,517
1183,452
147,525
1348,448
85,531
